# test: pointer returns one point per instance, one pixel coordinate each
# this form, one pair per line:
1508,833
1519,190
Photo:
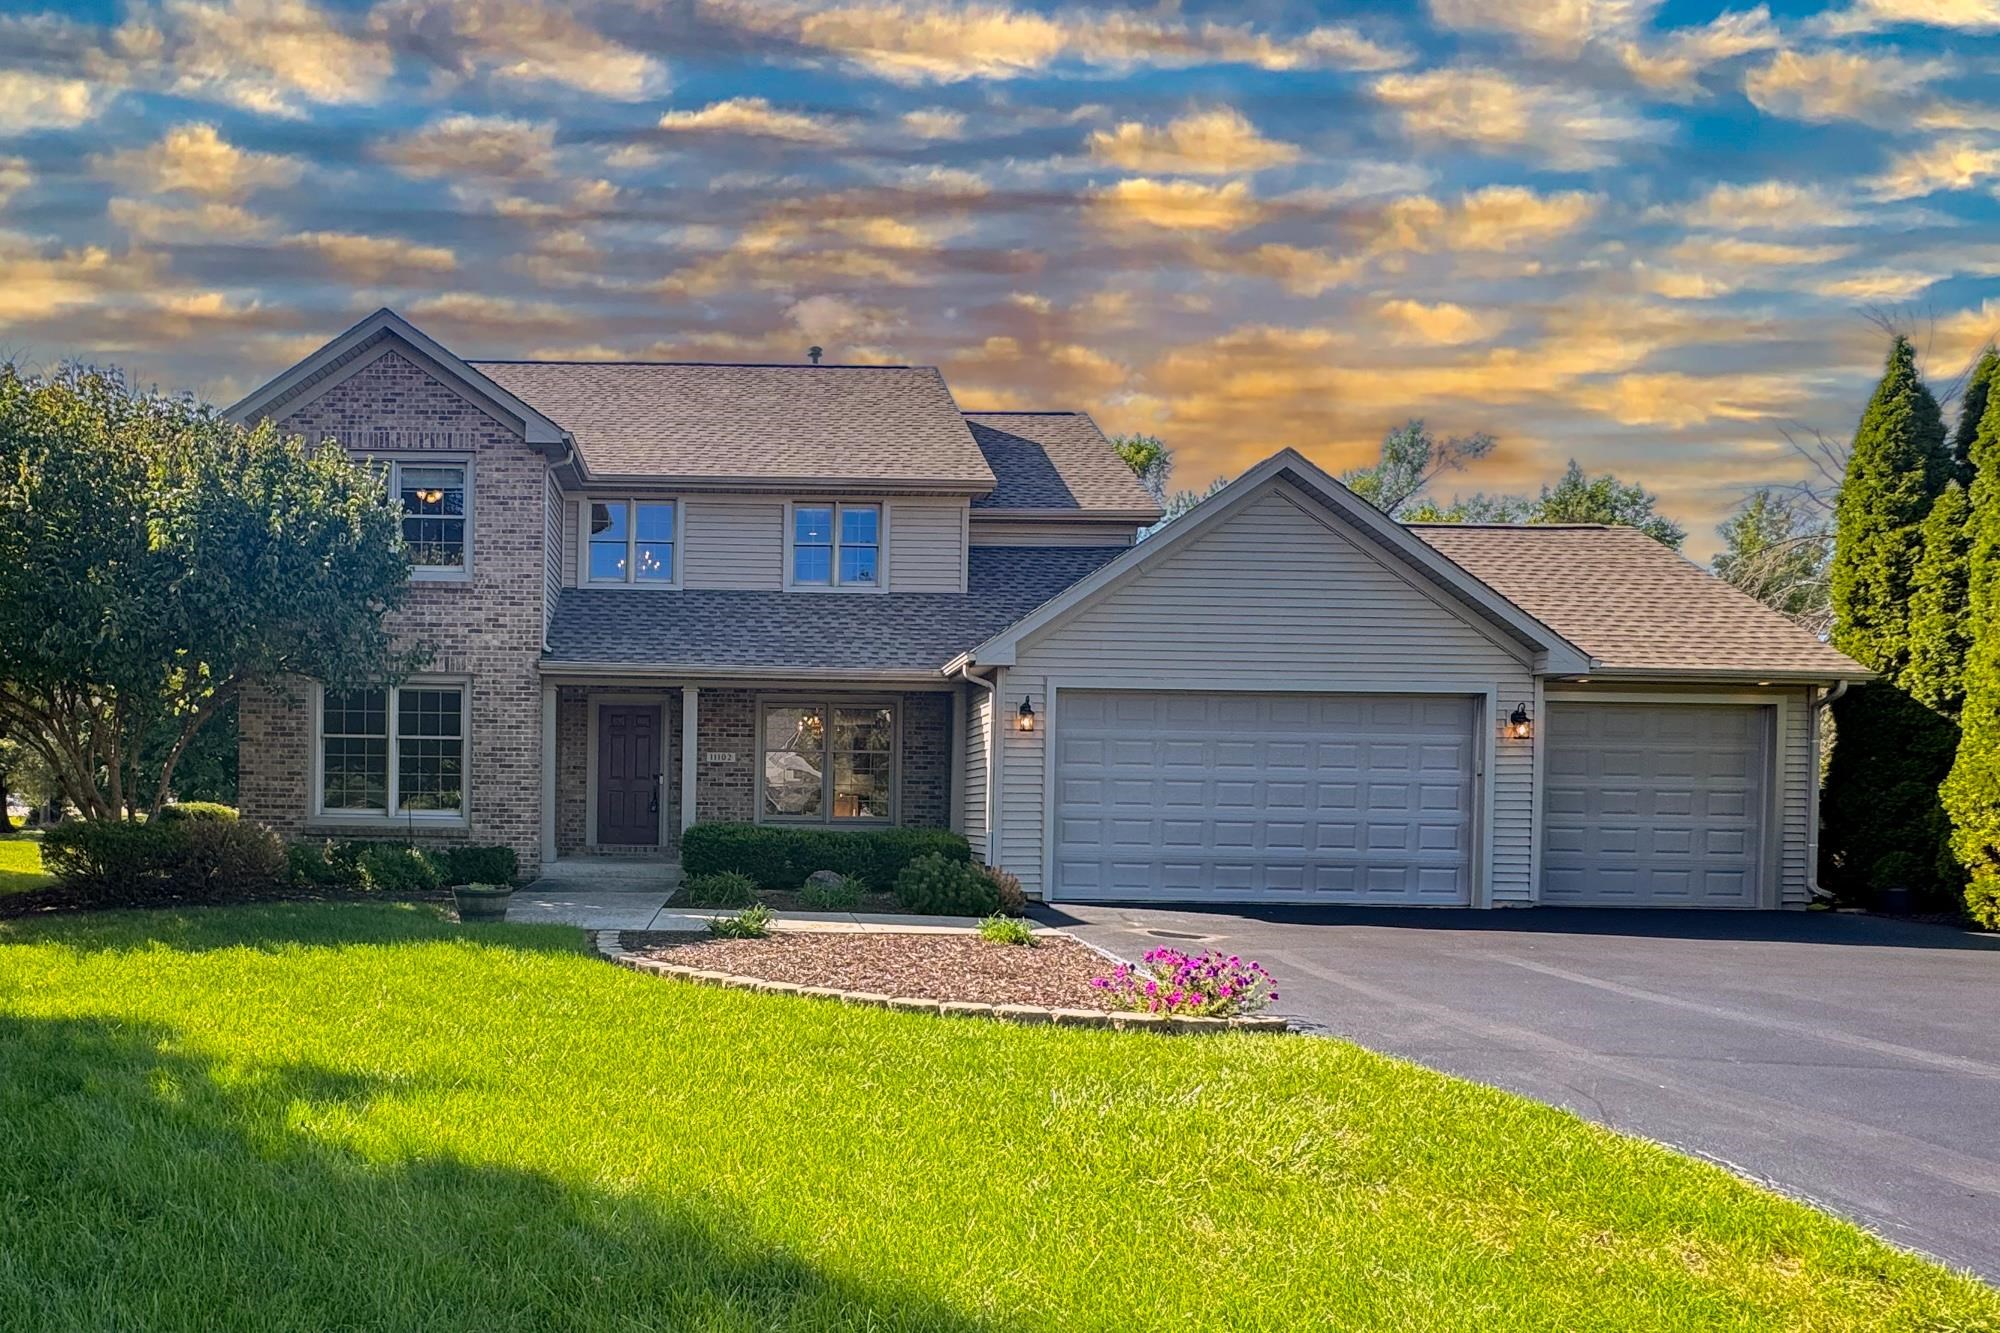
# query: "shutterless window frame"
460,573
834,544
827,704
631,503
392,812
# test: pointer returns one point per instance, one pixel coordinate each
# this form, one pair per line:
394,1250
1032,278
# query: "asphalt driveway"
1850,1061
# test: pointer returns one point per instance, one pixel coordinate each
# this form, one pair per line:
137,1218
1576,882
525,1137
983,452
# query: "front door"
628,775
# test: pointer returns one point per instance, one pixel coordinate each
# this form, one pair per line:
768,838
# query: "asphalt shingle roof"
893,631
1632,603
1056,461
802,423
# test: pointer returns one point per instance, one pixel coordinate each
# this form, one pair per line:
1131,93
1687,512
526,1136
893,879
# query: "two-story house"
827,595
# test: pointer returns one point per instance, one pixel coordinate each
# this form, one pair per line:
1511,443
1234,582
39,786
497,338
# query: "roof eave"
1143,517
1723,675
785,484
714,671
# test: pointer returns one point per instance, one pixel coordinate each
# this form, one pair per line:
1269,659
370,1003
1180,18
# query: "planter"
482,902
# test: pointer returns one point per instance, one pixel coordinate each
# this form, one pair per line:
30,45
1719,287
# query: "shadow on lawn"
153,1189
277,926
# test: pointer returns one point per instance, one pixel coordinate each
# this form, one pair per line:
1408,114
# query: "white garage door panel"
1654,805
1231,797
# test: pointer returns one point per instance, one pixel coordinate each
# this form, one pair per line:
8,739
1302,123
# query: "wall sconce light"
1024,719
1519,724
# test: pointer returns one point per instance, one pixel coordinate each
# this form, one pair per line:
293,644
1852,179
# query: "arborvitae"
1972,791
1940,627
1971,408
1883,826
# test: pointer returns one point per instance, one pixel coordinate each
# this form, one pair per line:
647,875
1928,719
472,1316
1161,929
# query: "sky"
1652,236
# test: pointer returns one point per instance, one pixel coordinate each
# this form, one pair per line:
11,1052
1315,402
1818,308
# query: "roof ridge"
1022,412
733,365
1521,527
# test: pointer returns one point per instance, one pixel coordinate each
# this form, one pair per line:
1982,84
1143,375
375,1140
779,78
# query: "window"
829,763
632,541
424,733
836,545
433,496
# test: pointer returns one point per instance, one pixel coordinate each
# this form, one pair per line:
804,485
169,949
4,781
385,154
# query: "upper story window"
836,545
632,541
436,508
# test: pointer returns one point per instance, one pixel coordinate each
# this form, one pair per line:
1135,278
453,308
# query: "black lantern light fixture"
1024,718
1520,725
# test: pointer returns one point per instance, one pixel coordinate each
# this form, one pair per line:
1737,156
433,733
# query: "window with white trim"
435,513
631,541
828,763
393,751
836,545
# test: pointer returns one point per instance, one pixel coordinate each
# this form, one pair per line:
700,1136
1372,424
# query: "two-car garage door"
1353,798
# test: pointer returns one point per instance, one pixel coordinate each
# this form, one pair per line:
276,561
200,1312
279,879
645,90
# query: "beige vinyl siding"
1052,532
1273,599
926,545
572,537
732,542
978,734
553,505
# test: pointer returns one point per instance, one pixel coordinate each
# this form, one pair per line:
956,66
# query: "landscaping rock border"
610,945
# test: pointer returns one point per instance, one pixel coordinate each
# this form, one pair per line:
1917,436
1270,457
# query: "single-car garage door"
1263,798
1654,805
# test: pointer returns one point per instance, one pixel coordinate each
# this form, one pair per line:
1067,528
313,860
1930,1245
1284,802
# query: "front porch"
636,761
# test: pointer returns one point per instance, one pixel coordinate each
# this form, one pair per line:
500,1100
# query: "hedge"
779,857
397,867
193,856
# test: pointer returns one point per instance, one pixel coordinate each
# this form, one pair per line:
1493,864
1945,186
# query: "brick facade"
488,628
927,761
727,722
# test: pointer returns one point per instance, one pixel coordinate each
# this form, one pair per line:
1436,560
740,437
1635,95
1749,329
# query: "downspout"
993,697
1812,792
569,460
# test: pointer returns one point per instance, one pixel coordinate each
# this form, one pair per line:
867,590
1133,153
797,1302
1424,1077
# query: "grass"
320,1116
20,863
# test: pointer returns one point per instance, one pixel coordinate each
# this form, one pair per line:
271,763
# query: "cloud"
1950,164
31,101
196,159
373,258
1675,61
1551,27
1143,202
1495,114
14,177
910,43
481,314
1878,285
1300,271
1832,84
1678,402
1499,217
1769,205
757,117
484,147
35,284
522,41
213,221
1440,325
269,56
1868,15
1733,252
935,123
1217,142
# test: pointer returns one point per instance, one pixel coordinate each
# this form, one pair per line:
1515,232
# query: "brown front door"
628,775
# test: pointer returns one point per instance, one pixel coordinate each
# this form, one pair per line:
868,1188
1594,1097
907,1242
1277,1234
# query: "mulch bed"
1055,973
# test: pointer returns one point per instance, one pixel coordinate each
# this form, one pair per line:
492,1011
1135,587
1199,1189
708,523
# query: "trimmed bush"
840,894
196,856
936,885
780,858
229,858
388,867
724,888
477,865
198,810
1982,902
323,865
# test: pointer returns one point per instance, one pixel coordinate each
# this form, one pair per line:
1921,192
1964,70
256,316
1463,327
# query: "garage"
1220,797
1655,804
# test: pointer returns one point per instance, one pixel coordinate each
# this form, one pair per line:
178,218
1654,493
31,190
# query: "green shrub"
1007,930
841,894
723,888
198,810
936,885
388,867
230,858
1013,902
752,923
115,859
781,857
322,865
1982,902
477,865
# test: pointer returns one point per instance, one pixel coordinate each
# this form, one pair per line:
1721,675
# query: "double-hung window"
434,500
632,541
828,763
393,752
836,545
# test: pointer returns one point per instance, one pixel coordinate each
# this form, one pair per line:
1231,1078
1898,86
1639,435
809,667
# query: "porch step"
612,873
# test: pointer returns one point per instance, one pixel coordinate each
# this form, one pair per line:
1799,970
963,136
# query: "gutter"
1813,886
690,671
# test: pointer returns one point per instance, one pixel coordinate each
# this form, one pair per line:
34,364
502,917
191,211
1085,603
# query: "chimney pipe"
815,353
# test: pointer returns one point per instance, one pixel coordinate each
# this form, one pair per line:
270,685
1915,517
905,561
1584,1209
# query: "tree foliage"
1151,461
155,559
1776,547
1971,792
1979,386
1576,498
1940,622
1410,460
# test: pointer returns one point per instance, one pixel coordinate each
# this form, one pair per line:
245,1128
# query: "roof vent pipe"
815,353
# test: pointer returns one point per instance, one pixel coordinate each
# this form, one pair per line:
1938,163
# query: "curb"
609,944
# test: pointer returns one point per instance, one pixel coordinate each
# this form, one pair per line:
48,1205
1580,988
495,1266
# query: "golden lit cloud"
524,41
1836,84
1771,205
934,123
1867,15
1499,217
1950,164
1494,113
197,159
1673,63
14,177
1442,325
1143,202
211,221
1300,271
35,284
30,101
1678,402
373,258
268,56
1553,27
489,147
1733,252
1216,142
755,116
1878,285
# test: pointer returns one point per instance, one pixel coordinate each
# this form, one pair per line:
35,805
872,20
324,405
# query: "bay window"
826,762
631,541
836,545
393,752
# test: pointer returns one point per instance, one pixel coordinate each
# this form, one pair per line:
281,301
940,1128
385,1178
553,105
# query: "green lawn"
20,863
361,1116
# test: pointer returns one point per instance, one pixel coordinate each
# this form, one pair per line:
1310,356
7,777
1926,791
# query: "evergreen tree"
1884,826
1971,408
1940,626
1972,791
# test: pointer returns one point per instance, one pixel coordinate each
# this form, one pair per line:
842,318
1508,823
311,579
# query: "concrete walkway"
611,903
